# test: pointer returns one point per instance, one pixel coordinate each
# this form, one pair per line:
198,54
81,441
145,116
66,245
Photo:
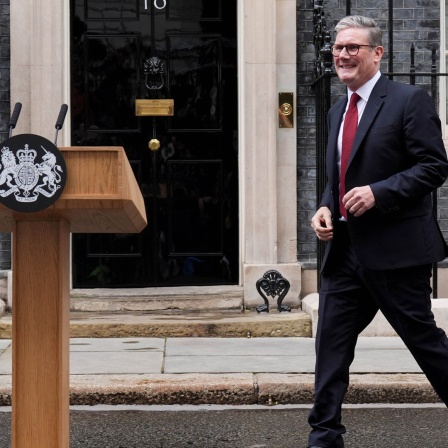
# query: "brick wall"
414,21
4,69
5,111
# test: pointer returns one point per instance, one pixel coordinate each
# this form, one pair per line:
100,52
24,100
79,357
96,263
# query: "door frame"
40,79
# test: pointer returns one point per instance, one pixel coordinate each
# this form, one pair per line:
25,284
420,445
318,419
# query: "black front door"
185,50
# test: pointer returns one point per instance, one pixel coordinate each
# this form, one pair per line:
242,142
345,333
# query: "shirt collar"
366,89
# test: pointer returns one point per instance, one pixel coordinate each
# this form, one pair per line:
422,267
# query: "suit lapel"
332,148
371,110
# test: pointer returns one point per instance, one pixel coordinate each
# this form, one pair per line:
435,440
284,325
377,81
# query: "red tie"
348,135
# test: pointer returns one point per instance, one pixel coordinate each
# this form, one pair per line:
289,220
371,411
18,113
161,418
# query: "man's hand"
358,200
323,224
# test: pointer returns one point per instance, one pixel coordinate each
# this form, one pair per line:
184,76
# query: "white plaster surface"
286,31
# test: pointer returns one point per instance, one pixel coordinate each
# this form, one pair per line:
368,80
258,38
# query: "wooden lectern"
101,195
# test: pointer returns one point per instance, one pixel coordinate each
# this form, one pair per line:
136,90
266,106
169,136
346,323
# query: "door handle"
154,144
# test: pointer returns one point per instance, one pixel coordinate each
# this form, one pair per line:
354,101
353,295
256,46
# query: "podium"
101,195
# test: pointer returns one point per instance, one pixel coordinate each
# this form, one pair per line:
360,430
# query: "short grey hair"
374,31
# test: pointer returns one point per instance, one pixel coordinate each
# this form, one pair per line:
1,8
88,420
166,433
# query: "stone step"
222,323
189,298
379,326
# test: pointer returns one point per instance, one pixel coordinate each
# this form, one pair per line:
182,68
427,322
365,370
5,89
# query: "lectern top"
101,194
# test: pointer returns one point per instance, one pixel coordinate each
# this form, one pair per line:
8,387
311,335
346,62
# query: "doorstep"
217,323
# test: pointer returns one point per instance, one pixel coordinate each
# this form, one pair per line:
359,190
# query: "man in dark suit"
377,219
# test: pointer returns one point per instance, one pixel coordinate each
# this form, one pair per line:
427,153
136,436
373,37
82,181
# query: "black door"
190,184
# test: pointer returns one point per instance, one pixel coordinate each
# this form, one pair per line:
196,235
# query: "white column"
267,153
39,64
287,137
258,142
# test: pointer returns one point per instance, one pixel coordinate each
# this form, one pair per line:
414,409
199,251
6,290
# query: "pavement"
231,370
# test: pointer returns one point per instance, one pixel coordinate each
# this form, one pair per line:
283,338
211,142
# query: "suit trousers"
349,299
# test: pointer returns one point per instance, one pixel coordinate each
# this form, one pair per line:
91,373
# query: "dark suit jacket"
398,151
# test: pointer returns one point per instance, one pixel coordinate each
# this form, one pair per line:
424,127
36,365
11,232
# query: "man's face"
354,71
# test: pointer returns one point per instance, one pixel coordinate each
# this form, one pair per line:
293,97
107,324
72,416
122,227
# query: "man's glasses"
352,49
